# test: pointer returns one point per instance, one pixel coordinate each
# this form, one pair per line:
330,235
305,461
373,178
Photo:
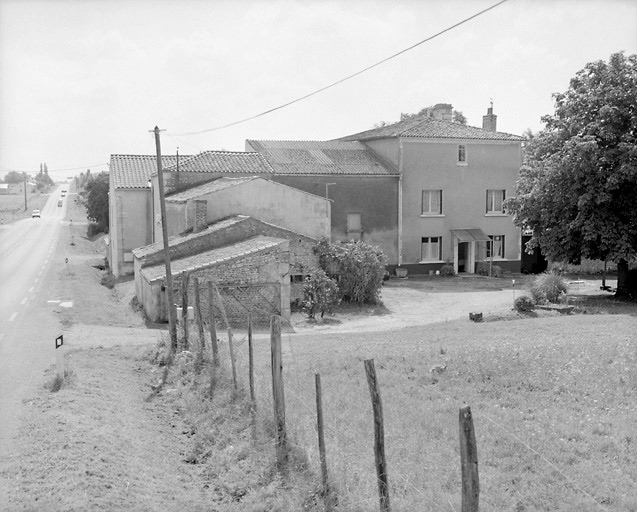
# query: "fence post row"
379,436
469,462
277,391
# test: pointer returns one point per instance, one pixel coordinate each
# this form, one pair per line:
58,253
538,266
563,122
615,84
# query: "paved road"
27,326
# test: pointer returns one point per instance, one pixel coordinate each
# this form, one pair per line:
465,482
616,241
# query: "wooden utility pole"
25,191
172,314
278,395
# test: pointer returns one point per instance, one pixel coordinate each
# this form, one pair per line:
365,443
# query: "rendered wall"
375,198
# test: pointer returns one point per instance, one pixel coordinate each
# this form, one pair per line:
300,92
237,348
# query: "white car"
35,213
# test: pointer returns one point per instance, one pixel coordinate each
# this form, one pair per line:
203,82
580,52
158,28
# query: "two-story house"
453,182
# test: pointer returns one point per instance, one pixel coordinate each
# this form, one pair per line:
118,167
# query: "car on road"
35,213
60,202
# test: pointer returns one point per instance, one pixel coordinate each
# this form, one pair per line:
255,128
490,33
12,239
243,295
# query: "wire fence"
421,430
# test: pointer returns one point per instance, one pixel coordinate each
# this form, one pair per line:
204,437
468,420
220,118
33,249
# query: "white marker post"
59,356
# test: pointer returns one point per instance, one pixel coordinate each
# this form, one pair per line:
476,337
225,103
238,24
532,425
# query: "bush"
94,229
447,270
357,267
548,287
320,294
483,268
524,303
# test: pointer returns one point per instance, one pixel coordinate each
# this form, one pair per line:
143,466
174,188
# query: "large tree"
577,191
15,177
97,200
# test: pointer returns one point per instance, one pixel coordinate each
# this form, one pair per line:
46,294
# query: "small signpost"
59,356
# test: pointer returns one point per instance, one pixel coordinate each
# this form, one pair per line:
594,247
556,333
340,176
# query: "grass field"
12,206
553,401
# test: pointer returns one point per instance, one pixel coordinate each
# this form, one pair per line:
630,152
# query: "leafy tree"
15,177
97,200
457,116
577,189
357,267
42,179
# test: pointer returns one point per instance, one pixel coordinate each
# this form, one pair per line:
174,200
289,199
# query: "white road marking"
24,301
54,301
12,317
67,304
30,289
1,336
36,280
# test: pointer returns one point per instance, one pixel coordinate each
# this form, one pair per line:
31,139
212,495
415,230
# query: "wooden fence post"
379,437
253,402
327,494
468,462
212,325
185,278
199,320
230,345
277,391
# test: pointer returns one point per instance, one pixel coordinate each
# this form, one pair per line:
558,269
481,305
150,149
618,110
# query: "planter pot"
401,272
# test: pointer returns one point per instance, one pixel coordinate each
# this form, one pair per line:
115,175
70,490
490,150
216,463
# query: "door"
463,253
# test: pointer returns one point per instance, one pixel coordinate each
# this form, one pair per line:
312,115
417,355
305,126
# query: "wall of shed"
268,269
130,219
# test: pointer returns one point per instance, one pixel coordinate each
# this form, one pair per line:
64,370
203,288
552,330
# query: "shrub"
357,267
524,303
94,229
484,267
548,287
447,270
320,294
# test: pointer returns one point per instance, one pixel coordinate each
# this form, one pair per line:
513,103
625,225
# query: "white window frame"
491,202
461,154
354,233
493,243
426,209
426,256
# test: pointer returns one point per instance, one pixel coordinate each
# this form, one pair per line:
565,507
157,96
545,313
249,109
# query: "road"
28,327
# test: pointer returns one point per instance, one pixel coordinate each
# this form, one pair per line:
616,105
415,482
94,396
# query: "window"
462,154
431,248
354,226
495,247
495,198
432,202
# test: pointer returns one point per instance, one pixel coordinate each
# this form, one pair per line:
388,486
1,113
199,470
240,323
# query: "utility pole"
172,314
25,190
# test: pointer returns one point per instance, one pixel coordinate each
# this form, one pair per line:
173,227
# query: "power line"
333,84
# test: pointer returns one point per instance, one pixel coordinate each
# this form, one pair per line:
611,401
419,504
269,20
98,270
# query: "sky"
83,79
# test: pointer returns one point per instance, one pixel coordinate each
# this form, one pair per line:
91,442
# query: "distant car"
35,213
60,202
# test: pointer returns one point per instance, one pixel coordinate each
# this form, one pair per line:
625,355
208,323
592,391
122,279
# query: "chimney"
201,215
441,111
489,121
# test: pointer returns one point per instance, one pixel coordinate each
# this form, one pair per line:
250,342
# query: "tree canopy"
97,200
15,177
577,189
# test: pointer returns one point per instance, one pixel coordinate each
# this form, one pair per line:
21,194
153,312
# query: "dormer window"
462,154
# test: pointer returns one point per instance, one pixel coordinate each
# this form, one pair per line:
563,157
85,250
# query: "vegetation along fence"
380,435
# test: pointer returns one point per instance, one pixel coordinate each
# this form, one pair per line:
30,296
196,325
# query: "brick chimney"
441,111
489,121
201,215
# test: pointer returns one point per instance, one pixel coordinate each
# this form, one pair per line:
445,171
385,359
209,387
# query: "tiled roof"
224,162
206,188
133,171
321,158
156,247
212,257
431,129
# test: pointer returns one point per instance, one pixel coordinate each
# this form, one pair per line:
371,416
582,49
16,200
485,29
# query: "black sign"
59,341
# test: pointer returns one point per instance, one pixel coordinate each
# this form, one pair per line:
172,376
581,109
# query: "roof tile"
133,171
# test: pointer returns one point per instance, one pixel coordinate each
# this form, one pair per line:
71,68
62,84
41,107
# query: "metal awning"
470,235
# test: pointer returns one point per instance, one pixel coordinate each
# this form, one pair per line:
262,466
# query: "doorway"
463,252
